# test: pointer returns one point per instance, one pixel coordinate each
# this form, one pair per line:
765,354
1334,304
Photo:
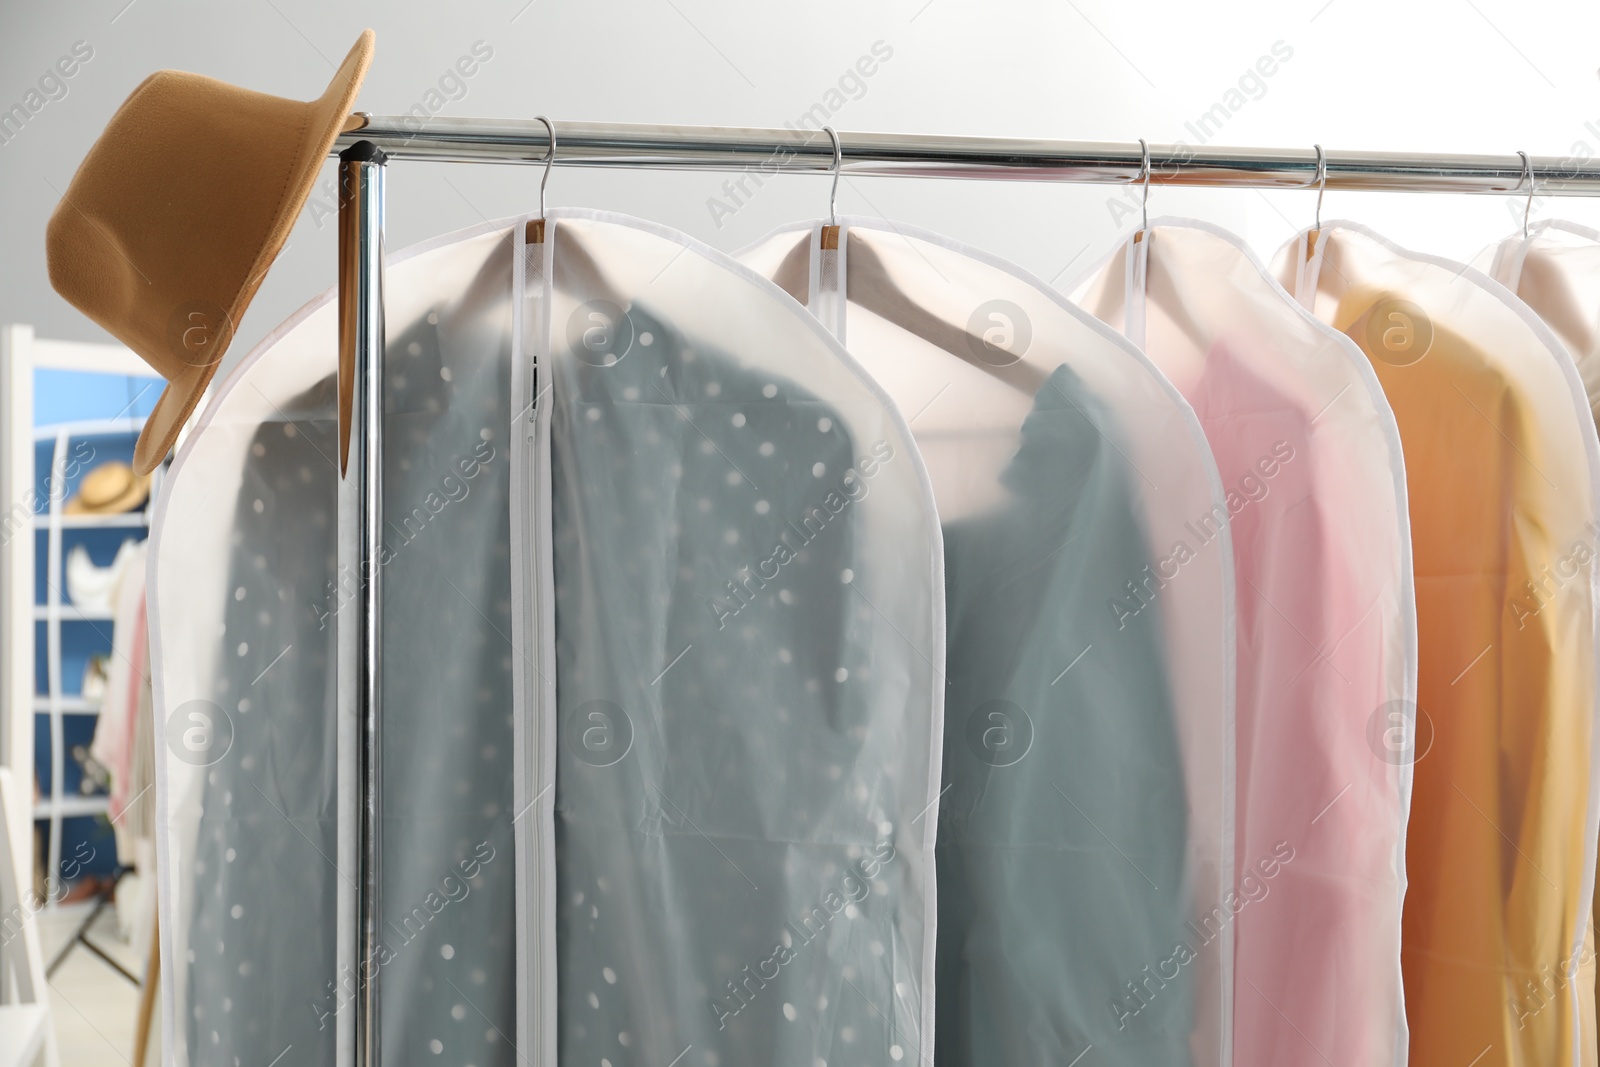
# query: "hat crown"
105,483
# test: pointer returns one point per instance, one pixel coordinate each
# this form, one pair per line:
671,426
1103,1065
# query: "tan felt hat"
173,218
109,489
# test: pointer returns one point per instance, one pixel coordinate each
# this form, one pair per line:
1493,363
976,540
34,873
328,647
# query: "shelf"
72,431
125,520
71,704
71,613
71,807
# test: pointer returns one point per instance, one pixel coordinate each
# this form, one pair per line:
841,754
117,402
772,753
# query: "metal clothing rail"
724,148
368,142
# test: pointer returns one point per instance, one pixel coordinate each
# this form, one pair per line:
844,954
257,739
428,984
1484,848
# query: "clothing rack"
724,148
368,142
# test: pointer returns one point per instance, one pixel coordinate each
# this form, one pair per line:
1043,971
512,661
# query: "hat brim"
172,410
326,118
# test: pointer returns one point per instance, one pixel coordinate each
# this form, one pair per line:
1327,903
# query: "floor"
93,1006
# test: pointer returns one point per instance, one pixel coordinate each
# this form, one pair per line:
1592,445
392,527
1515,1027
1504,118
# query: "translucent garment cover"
731,599
1555,270
1501,461
1083,837
256,771
1310,456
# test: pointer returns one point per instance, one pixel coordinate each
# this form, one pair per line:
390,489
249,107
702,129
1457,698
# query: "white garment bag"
1503,484
1555,270
1084,838
255,771
733,607
1327,676
663,642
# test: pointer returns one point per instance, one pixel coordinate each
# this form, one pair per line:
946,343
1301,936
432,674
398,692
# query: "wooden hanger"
867,284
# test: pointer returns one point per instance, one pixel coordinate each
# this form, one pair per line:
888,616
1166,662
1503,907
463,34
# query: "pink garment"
1326,669
138,671
127,675
1309,679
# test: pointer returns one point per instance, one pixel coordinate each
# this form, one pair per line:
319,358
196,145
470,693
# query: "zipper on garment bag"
530,562
517,520
538,541
543,630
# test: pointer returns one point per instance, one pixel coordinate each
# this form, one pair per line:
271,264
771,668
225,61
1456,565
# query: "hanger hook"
1144,170
838,162
1527,177
549,161
1322,181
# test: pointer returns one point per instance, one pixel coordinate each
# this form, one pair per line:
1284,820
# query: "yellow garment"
1502,492
1555,270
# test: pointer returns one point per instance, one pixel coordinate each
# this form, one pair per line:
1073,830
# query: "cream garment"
1555,270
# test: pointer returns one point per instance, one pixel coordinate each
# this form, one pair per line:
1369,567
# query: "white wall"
1442,75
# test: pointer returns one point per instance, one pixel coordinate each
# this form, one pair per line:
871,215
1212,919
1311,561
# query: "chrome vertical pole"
361,181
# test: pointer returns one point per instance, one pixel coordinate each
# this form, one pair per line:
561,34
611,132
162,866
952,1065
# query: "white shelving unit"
21,354
58,805
69,613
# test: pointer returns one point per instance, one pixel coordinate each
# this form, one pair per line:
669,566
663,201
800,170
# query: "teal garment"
1062,830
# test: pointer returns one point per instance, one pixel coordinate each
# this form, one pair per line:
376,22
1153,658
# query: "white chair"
26,1032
